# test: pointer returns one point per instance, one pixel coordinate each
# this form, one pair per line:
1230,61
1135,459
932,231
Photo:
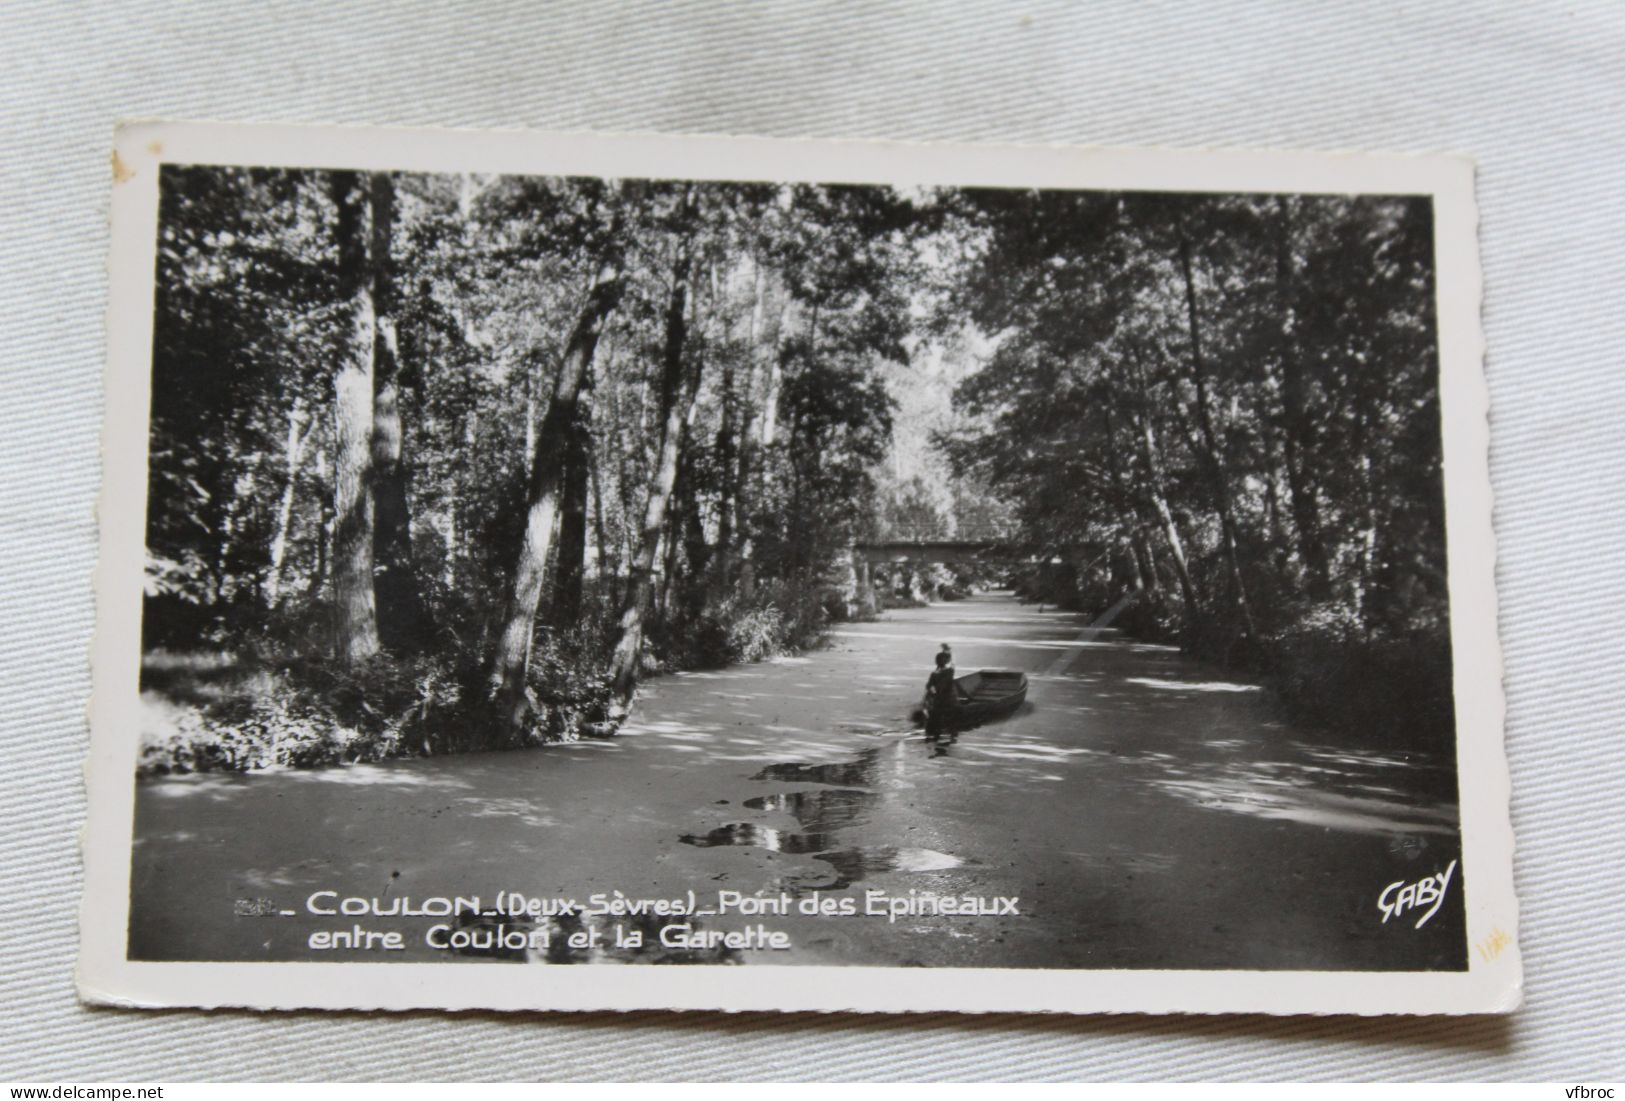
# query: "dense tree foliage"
1229,406
491,445
453,460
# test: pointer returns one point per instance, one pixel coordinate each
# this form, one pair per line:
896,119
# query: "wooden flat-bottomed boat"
980,696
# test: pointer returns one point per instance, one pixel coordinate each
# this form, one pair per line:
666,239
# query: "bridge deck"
940,550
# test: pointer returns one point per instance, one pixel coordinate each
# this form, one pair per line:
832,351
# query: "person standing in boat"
940,696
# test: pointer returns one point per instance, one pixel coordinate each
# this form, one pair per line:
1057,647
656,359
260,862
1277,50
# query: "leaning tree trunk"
402,614
355,613
676,395
1170,530
1176,545
506,680
1146,560
1132,531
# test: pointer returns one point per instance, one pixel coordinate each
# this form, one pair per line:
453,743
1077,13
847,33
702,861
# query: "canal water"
1141,809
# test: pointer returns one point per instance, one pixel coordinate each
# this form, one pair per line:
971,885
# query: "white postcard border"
1492,983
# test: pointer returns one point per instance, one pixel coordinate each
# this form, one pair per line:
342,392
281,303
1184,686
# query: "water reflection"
852,865
1307,794
1192,685
820,811
819,815
761,837
860,773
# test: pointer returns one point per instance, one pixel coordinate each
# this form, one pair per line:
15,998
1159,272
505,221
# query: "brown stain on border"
122,173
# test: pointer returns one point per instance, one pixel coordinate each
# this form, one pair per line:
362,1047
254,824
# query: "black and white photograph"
770,559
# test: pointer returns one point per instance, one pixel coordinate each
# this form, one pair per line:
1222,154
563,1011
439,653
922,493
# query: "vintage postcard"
873,576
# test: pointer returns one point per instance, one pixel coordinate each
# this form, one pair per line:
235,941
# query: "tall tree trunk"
456,521
506,681
229,568
402,614
749,423
622,445
800,535
324,527
1215,454
696,551
685,529
754,444
677,390
1366,556
733,446
298,438
571,562
670,546
605,564
684,562
795,532
1280,541
727,453
1298,431
355,612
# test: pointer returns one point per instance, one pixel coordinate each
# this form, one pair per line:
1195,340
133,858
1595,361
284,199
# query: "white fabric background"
1536,92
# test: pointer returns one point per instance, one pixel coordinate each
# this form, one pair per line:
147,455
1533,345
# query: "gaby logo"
1400,896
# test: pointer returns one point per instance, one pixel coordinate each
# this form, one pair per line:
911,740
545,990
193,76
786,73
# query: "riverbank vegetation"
445,462
1228,406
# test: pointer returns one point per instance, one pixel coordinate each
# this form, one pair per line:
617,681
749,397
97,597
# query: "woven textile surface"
1535,92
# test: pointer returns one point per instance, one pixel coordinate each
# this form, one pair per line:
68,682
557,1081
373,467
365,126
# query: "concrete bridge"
874,565
945,551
